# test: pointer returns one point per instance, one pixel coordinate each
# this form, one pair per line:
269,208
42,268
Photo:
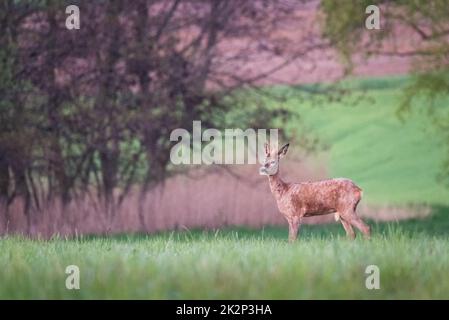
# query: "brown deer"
298,200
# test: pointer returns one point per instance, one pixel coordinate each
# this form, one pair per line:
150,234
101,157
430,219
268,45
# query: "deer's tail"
336,216
359,191
359,196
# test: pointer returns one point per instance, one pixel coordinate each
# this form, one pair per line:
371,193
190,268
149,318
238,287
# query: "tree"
91,110
17,135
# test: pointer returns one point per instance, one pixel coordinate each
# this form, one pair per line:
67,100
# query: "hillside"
395,161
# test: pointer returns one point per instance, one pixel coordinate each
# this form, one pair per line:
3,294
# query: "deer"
295,201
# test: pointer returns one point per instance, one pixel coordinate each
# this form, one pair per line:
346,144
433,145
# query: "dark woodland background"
86,115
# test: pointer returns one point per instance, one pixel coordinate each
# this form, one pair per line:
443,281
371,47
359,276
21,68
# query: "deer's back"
320,197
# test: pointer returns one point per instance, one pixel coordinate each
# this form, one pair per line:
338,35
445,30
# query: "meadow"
395,162
235,263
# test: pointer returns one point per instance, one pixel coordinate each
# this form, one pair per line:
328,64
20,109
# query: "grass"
395,162
234,263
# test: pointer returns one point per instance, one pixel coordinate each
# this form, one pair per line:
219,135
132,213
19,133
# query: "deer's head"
271,163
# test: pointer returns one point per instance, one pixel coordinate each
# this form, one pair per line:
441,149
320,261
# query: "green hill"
394,161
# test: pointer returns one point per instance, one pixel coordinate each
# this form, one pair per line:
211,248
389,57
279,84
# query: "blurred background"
86,114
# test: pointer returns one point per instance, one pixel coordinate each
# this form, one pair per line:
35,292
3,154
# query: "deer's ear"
267,148
283,150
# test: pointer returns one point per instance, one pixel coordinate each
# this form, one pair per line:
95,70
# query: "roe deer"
297,200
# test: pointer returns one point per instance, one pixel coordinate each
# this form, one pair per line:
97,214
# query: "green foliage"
418,19
343,24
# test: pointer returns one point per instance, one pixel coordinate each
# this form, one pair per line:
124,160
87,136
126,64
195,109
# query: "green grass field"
394,162
412,257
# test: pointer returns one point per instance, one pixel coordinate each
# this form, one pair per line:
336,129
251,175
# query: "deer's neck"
277,186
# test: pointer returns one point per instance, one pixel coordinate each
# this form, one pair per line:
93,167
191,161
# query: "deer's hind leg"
362,226
350,216
348,228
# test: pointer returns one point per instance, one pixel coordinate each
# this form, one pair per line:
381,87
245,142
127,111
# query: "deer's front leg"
293,227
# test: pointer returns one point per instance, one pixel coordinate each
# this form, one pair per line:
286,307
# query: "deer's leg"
293,223
362,226
348,228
